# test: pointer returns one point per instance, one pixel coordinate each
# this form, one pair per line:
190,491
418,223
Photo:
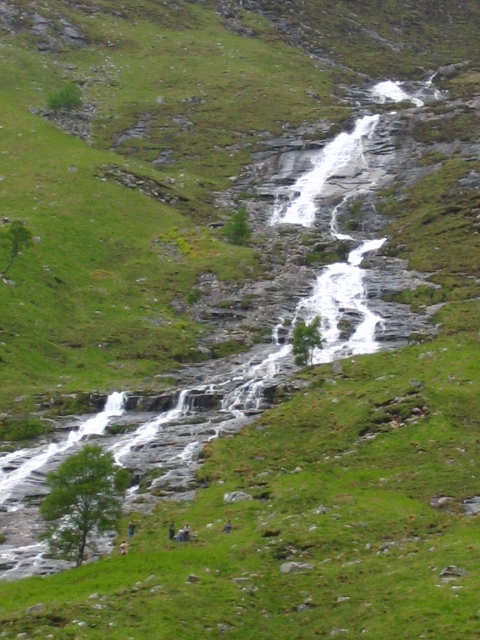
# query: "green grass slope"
342,476
380,38
345,477
92,303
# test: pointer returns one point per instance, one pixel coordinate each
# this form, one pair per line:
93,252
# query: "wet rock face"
293,250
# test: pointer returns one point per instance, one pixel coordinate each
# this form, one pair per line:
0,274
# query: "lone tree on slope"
85,499
17,237
306,338
236,230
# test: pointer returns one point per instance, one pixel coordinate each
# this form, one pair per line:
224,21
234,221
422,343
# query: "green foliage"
18,429
15,239
330,255
450,127
229,348
85,500
306,338
237,230
2,538
68,97
195,295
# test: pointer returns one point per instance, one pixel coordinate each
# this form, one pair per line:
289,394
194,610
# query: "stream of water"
338,292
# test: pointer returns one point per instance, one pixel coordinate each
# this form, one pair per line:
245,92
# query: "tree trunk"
81,551
12,257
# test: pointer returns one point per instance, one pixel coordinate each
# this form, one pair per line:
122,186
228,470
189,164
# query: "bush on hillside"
85,501
236,230
19,429
306,338
68,97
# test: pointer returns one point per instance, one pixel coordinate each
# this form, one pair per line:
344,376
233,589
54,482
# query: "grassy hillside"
380,38
362,477
177,95
342,478
91,305
346,476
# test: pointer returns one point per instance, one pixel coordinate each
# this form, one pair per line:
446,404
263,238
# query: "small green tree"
16,238
306,338
236,230
68,97
85,499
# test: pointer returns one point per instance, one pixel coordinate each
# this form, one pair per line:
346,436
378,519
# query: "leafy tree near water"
236,230
16,238
306,338
85,499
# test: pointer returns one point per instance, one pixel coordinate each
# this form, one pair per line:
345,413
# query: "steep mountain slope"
171,97
368,476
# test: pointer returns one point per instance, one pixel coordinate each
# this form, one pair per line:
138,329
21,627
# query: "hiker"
228,527
171,531
183,534
124,548
131,530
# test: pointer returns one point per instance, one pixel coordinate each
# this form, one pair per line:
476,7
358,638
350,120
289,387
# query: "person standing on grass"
124,548
171,531
228,527
131,530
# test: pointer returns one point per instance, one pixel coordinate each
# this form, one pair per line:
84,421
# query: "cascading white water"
339,290
26,464
389,91
149,430
336,155
334,224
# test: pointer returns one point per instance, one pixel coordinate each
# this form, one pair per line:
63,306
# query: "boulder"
296,567
237,496
35,609
192,578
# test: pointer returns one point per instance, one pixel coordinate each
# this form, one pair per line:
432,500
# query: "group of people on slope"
182,535
131,532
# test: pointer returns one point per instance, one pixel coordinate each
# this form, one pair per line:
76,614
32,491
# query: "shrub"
306,338
236,230
16,430
68,97
194,296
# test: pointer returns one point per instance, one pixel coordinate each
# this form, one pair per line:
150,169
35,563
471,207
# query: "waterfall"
25,464
339,291
337,154
338,294
389,91
149,430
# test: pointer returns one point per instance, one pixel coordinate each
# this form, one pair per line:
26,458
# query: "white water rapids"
339,289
